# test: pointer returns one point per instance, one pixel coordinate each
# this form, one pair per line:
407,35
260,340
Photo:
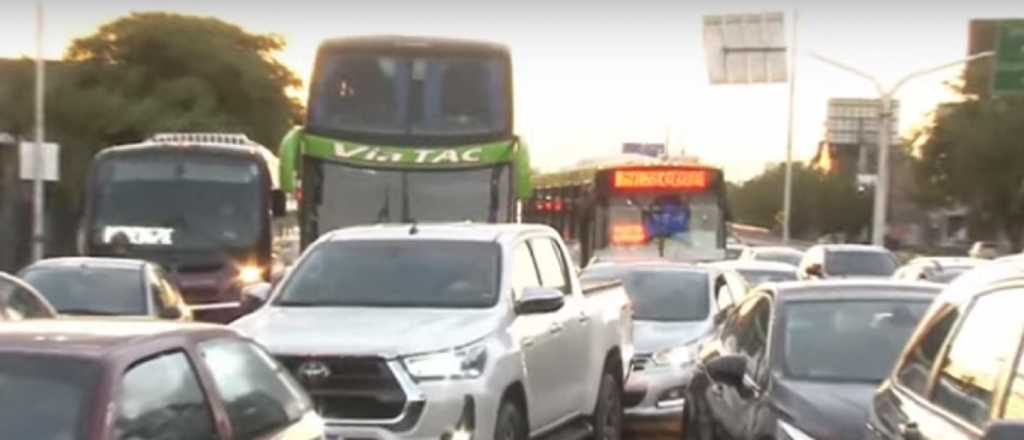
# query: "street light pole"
787,197
38,220
886,97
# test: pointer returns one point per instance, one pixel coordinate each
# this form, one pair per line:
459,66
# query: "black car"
801,360
961,375
107,287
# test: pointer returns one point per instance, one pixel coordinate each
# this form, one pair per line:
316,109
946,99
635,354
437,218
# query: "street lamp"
885,119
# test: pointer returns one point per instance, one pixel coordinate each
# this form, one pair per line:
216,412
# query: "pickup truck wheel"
607,418
511,425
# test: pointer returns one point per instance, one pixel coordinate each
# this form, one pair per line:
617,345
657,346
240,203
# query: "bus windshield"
194,201
348,196
410,96
676,223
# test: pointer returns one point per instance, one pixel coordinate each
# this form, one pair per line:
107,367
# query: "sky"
590,75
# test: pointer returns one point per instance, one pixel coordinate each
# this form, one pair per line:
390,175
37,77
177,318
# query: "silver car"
676,307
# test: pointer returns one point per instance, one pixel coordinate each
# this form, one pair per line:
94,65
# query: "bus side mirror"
278,203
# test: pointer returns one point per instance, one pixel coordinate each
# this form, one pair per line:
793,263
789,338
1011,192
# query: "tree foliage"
822,203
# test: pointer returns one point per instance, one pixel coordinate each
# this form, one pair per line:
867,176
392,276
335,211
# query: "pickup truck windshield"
661,295
379,273
64,389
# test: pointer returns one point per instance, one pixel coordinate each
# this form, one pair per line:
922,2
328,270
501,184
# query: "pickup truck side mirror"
728,369
278,203
254,296
1004,430
536,300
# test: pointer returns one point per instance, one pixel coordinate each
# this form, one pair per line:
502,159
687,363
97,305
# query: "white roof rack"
202,138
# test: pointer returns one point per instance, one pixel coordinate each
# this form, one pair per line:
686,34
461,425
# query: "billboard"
745,48
647,149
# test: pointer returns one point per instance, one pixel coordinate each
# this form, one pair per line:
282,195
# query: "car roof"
943,262
856,289
754,265
648,266
94,337
89,263
852,248
460,231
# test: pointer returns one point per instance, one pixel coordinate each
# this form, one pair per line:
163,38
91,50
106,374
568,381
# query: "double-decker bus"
404,129
201,205
632,206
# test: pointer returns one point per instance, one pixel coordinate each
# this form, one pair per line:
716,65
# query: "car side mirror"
814,270
254,296
1004,430
278,203
537,300
170,313
728,369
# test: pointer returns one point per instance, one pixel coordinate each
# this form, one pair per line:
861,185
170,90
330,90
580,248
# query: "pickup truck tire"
607,418
510,424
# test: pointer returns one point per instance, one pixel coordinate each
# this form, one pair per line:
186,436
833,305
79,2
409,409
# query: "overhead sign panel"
1009,69
745,48
651,150
855,121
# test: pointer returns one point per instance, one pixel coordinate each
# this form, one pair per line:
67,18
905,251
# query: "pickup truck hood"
387,332
654,336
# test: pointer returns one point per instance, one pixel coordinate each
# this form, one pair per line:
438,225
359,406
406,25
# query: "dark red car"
85,379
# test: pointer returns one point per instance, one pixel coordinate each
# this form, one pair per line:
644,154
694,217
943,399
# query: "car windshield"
661,295
792,258
90,291
859,263
855,341
165,200
63,390
410,273
409,95
755,277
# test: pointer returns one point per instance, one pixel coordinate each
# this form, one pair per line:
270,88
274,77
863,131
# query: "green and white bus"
404,129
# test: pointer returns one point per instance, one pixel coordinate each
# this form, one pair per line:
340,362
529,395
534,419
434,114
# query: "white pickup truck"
450,331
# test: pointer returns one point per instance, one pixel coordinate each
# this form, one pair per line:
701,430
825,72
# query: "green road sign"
1009,67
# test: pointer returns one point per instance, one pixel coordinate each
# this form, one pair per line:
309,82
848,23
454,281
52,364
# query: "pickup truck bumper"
435,410
657,392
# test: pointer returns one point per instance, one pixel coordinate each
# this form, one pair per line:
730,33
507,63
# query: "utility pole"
38,211
884,121
787,197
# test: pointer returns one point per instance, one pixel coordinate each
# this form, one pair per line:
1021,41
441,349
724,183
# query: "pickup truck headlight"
677,356
461,363
786,431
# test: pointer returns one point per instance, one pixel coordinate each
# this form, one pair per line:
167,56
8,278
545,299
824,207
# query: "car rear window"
662,295
44,397
757,277
90,291
859,263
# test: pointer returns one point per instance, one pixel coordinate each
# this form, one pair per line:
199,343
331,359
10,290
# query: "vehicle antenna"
414,230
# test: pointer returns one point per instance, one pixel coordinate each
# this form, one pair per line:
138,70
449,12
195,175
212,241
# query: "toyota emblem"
313,372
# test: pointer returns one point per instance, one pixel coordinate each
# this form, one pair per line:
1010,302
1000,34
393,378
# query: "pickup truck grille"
349,387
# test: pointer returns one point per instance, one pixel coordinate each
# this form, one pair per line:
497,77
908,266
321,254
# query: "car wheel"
511,424
607,418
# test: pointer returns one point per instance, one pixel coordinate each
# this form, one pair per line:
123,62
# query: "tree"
973,155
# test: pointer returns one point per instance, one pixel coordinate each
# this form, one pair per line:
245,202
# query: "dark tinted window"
160,398
260,396
866,263
552,267
917,368
91,291
662,295
17,302
45,398
756,277
983,348
410,273
846,340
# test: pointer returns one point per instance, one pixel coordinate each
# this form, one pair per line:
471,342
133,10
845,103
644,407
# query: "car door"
733,410
161,397
539,350
568,329
260,398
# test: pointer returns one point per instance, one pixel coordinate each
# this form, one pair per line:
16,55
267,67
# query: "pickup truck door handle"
556,328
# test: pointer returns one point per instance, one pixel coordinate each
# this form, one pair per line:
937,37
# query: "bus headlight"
249,274
461,363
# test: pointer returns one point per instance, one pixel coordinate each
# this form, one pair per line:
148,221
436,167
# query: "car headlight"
461,363
786,431
677,356
250,274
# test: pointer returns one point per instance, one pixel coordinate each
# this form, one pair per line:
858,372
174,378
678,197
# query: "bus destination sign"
657,179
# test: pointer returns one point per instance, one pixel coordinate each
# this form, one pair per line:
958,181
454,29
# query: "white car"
449,331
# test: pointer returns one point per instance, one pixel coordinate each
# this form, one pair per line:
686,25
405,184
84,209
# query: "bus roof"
398,42
583,172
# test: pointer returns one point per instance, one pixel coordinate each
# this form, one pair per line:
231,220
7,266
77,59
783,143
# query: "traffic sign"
745,48
1008,73
51,161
